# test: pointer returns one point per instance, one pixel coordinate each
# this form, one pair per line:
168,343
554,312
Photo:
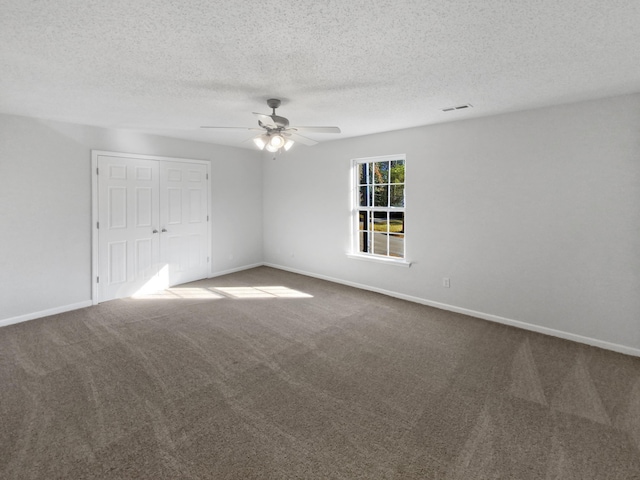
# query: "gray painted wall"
535,216
45,207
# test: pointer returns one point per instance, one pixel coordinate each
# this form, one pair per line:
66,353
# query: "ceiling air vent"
458,107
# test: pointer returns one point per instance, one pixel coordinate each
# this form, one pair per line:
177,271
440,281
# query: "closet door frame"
95,257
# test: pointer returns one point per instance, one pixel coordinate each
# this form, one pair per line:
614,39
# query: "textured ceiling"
167,66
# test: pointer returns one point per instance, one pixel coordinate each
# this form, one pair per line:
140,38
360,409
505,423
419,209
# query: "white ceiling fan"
276,132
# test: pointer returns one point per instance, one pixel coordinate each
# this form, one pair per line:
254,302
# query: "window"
379,207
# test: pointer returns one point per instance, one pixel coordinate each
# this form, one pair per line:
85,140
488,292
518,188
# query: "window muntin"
380,206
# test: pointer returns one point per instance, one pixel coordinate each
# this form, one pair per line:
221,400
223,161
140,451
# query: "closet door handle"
164,230
154,231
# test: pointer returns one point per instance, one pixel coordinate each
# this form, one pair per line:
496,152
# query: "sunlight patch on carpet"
192,293
261,292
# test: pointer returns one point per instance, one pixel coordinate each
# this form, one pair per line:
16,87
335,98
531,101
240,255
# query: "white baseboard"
234,270
472,313
45,313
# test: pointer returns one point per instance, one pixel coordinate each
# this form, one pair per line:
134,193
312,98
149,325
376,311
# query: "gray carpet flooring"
267,374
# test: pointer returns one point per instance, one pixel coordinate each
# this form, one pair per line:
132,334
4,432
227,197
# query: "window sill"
400,262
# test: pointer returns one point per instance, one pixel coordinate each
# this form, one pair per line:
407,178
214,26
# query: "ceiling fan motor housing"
281,122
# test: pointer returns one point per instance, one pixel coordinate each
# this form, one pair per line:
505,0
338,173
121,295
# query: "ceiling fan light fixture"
260,141
288,145
270,148
277,141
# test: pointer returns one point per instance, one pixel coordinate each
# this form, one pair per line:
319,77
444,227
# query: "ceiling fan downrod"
274,103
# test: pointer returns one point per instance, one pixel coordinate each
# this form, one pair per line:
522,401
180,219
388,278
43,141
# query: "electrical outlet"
446,282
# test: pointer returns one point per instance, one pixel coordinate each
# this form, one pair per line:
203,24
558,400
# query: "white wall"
45,208
535,217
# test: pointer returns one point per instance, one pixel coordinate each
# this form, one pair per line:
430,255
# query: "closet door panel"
128,215
184,220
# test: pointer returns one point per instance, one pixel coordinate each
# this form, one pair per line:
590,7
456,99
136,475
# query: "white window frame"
355,208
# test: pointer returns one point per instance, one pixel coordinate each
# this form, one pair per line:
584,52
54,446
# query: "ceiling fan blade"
299,138
318,129
235,128
266,120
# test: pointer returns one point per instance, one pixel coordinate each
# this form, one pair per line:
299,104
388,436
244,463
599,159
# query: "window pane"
362,173
396,246
381,195
397,171
380,222
364,242
380,243
367,173
397,196
365,197
396,222
364,220
381,172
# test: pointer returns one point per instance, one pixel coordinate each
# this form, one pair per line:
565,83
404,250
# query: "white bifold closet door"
153,225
